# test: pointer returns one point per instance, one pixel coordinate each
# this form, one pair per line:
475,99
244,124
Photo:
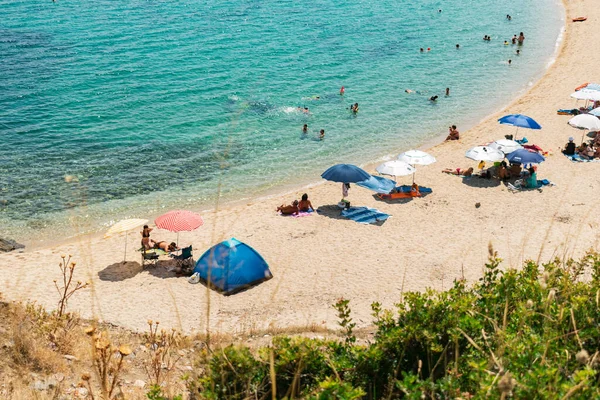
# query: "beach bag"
195,278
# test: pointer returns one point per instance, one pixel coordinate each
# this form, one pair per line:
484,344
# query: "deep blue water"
122,109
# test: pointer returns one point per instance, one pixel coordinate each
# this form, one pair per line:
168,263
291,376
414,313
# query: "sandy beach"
427,243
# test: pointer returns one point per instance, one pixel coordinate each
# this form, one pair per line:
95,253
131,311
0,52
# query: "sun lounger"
365,215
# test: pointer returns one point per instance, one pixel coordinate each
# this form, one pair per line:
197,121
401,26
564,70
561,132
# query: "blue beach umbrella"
520,121
345,173
524,156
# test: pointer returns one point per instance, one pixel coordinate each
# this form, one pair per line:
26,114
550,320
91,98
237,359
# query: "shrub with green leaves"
529,333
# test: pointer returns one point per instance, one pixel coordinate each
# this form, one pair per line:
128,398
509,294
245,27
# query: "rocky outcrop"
7,245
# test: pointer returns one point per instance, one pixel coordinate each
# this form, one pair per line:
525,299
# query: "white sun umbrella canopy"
586,94
416,157
396,168
585,121
485,153
125,226
596,112
505,145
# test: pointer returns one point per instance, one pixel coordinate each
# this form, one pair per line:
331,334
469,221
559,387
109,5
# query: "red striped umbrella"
179,220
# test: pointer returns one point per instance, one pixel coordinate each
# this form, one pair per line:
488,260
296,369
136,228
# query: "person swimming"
506,43
322,134
354,108
433,98
342,91
457,46
508,17
305,128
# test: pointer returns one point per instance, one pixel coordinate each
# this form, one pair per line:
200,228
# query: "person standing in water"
447,91
305,128
342,91
521,38
322,134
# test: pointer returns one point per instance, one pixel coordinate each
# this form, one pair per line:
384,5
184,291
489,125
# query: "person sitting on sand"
305,204
289,210
582,151
147,243
515,170
531,181
503,174
570,147
167,247
459,171
454,134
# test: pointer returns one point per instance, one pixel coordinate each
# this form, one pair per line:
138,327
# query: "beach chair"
149,258
185,259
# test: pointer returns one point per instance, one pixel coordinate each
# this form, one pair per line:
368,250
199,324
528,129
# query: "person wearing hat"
570,147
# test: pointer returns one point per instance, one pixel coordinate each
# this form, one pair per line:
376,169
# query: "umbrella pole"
125,253
177,239
516,133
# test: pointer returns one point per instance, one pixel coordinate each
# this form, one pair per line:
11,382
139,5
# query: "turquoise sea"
117,109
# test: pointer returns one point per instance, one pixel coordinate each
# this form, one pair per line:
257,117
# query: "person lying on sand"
459,171
289,210
167,247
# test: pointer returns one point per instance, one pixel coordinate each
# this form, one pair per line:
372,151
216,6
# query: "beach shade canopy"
124,226
586,94
520,121
416,157
395,168
484,153
525,156
378,184
232,266
585,121
596,112
505,145
179,221
345,173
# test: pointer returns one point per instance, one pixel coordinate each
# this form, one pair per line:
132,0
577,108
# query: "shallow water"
123,109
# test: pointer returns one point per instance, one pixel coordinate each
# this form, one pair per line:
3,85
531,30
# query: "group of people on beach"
501,171
587,151
149,244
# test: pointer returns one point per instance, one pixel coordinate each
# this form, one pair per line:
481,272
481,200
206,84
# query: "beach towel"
378,184
364,215
577,158
522,141
564,111
302,214
407,188
519,185
160,252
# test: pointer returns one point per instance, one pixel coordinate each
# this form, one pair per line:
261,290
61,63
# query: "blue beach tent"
232,266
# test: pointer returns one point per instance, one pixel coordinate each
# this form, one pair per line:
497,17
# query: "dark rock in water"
7,245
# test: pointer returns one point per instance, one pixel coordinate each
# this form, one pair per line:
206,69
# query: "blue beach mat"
364,215
577,158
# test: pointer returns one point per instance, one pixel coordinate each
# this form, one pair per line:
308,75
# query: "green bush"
531,333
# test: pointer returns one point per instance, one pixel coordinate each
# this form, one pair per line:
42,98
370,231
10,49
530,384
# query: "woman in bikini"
147,243
459,171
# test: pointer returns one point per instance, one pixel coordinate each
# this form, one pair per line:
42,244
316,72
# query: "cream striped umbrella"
179,221
124,226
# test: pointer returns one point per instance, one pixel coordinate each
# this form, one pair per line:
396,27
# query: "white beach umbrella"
596,112
585,121
396,168
416,157
124,226
485,153
586,94
505,145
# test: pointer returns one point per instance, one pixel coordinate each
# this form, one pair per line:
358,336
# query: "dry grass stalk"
67,267
164,354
